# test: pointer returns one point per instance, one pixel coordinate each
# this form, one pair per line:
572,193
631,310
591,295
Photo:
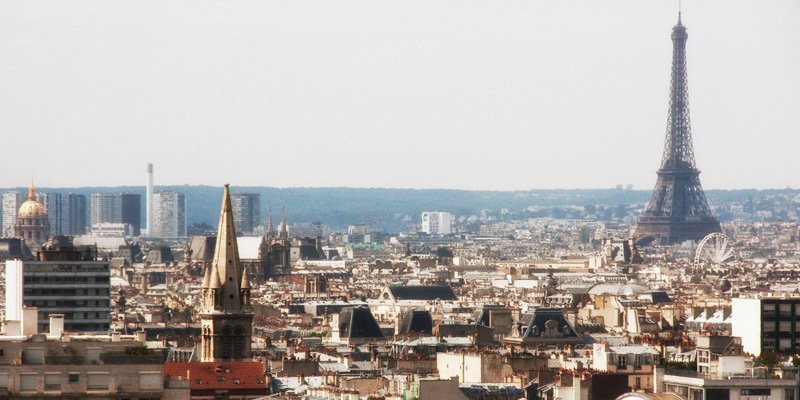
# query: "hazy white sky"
511,94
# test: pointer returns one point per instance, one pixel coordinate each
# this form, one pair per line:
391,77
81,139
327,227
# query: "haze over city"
443,94
414,200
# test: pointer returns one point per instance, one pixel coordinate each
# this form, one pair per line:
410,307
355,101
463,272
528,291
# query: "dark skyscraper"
246,211
678,209
67,213
132,212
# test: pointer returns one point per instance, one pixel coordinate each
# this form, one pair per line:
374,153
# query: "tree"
768,358
444,252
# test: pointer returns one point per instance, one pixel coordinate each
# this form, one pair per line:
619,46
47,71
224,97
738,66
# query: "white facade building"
437,222
149,199
111,229
746,323
78,290
11,203
169,215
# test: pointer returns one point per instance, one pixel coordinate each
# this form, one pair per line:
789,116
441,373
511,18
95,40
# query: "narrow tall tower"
149,200
678,209
226,316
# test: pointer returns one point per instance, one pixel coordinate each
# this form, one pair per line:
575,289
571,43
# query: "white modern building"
112,229
72,285
149,199
11,203
169,215
437,223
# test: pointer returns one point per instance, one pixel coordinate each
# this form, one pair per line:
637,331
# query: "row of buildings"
119,214
637,323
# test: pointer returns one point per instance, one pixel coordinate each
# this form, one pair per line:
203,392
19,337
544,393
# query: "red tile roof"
236,375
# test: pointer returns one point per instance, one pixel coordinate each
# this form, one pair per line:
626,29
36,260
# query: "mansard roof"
416,321
358,323
422,292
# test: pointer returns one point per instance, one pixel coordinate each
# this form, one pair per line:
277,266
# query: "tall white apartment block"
437,223
11,203
149,199
169,215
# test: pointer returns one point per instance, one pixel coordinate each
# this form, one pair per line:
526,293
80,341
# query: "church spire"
226,320
226,258
284,233
270,227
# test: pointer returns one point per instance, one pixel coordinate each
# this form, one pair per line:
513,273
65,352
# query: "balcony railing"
65,360
123,359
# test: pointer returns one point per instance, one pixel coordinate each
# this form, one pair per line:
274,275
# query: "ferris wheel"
715,248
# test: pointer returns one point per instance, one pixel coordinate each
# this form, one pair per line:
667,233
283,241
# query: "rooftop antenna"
679,11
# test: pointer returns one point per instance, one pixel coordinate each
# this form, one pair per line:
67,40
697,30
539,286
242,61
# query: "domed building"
32,224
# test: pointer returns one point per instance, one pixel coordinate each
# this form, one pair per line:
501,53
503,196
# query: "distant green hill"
386,208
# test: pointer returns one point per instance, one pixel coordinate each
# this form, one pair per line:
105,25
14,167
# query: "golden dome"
31,208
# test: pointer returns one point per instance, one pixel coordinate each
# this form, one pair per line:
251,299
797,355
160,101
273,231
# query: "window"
33,356
52,382
74,377
150,380
27,382
97,381
756,392
4,381
788,394
622,362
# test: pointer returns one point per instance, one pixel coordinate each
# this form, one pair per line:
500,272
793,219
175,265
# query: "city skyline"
439,95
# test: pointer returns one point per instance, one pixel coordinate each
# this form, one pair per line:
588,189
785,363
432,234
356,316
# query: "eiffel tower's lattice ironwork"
678,209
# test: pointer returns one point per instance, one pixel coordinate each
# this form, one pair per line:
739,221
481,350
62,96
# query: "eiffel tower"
678,209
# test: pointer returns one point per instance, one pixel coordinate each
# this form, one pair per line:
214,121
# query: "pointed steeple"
227,303
284,229
215,283
245,280
207,277
245,289
226,268
270,227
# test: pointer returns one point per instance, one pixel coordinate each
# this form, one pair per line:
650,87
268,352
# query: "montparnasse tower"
32,224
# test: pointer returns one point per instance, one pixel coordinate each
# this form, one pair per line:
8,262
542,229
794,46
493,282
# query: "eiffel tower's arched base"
665,230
